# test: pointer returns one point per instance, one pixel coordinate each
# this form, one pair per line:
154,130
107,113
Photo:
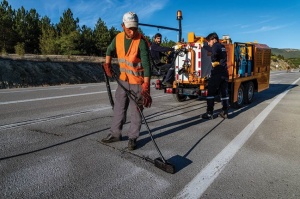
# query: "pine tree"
48,44
102,37
7,34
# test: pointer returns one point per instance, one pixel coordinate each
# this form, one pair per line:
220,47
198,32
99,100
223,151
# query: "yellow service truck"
248,68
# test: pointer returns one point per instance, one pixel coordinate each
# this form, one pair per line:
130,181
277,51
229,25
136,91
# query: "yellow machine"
248,67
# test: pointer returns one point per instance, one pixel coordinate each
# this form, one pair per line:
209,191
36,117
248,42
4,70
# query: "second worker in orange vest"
133,57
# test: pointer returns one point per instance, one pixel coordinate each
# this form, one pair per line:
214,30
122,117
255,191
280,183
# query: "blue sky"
272,22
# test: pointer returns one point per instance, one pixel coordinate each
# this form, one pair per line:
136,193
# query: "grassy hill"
286,53
292,56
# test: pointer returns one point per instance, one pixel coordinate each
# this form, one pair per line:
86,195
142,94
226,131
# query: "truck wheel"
249,92
240,97
179,97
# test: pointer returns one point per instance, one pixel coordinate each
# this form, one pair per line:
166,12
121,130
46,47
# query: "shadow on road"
52,146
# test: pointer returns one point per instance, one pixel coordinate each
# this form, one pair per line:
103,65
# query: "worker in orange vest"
133,57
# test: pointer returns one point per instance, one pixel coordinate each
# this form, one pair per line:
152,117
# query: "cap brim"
131,24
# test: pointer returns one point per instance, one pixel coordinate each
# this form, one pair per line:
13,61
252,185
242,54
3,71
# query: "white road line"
35,89
207,175
49,98
39,120
58,97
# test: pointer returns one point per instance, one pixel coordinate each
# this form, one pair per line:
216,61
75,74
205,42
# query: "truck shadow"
272,92
182,161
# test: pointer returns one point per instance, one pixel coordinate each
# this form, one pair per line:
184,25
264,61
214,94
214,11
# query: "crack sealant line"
206,177
47,119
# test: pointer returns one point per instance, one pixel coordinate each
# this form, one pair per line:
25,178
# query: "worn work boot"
224,114
131,144
110,138
208,116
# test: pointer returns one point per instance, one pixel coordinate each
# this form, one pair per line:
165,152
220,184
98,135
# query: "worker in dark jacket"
219,77
157,52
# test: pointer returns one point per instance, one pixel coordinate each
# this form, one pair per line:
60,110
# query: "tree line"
24,31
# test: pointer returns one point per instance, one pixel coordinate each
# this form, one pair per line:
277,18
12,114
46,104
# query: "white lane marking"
58,97
77,86
39,120
205,178
49,98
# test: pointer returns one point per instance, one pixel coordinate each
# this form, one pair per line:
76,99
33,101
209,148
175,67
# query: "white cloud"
110,11
264,29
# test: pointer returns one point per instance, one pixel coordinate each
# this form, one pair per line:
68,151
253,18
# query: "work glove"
214,64
147,100
107,68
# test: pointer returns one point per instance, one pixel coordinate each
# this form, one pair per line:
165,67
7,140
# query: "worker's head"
212,38
130,24
157,38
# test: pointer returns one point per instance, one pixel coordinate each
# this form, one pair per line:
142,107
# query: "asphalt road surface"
50,146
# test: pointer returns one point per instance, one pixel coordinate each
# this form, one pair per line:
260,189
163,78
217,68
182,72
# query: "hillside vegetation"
291,56
286,53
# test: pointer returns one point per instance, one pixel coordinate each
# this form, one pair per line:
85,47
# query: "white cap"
130,20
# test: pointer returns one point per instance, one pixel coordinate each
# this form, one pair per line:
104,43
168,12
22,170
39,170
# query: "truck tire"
240,97
179,97
249,92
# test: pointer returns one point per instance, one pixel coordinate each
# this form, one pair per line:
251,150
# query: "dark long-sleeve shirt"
157,52
218,54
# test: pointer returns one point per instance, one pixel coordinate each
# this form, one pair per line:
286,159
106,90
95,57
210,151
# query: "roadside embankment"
34,70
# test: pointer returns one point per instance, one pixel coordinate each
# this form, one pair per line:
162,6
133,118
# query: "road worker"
219,77
133,57
157,52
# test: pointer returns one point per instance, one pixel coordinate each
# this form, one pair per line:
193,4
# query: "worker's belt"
214,64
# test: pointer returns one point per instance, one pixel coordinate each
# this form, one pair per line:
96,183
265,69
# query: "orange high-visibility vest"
130,65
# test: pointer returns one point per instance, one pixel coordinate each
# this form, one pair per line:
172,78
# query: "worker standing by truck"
157,53
219,77
133,58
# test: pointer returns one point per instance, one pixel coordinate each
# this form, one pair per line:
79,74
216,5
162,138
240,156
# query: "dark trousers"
217,82
168,70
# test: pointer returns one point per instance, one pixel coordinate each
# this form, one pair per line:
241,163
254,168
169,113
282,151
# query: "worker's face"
157,40
130,32
211,42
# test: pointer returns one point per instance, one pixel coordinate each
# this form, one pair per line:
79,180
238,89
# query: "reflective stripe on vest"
131,69
131,72
122,60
